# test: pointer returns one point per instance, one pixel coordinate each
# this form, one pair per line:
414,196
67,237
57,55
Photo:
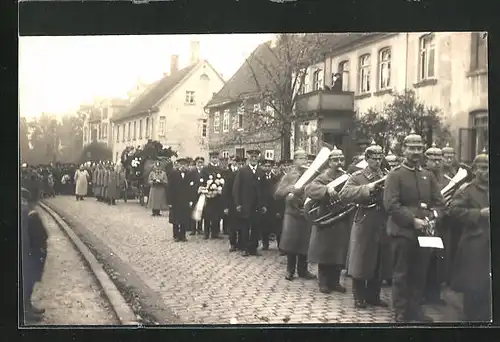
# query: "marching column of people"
254,201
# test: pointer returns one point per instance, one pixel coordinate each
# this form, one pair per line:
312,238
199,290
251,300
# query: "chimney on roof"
174,64
195,52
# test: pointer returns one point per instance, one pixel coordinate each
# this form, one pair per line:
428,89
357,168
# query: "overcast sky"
57,74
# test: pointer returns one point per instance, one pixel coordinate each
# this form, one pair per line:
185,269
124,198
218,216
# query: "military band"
375,213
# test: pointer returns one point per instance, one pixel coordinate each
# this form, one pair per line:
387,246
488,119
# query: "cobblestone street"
199,279
68,291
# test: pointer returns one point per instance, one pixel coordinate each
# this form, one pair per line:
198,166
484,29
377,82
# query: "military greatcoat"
472,264
328,245
296,229
369,249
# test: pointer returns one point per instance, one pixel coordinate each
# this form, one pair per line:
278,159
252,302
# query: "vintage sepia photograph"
271,179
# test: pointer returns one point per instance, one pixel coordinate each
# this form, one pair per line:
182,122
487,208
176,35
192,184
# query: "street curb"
118,303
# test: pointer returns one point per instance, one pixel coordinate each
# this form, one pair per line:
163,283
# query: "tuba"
326,213
463,175
314,169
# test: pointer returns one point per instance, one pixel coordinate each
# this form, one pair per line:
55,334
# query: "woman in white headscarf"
81,183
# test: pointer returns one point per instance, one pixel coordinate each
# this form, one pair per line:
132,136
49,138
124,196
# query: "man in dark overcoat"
230,208
328,245
224,165
409,193
368,265
249,202
34,253
269,220
195,175
181,195
279,204
472,264
296,229
213,211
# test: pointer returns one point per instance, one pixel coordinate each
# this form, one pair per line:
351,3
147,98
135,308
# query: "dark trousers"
234,231
179,231
267,227
432,290
408,281
296,262
279,229
367,290
250,233
156,212
477,305
196,226
212,227
328,275
225,225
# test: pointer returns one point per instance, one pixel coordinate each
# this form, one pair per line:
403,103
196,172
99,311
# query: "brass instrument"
326,213
314,169
463,175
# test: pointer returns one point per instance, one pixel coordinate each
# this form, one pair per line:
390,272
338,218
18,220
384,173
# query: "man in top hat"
409,194
224,165
195,175
369,259
229,206
472,271
270,222
181,196
213,211
249,202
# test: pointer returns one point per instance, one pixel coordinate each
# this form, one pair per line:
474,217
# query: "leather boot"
323,279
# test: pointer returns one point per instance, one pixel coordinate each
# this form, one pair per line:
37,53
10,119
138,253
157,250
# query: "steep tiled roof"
154,94
244,82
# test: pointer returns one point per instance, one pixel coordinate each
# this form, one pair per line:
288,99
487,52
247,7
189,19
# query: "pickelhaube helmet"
391,158
335,153
374,150
413,139
481,158
448,150
434,152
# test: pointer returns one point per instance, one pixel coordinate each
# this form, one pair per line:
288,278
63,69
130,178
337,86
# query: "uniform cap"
253,152
299,153
199,158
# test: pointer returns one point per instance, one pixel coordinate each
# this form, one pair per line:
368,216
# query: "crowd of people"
255,201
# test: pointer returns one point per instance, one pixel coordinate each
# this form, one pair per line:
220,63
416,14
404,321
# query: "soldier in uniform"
436,270
230,208
113,183
224,165
213,211
296,229
368,263
269,221
249,202
408,191
328,245
195,175
181,196
95,174
34,253
451,230
472,272
279,205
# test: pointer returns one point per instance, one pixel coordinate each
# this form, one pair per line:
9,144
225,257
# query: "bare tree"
278,73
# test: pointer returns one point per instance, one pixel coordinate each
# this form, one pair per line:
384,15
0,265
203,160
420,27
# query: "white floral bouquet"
213,186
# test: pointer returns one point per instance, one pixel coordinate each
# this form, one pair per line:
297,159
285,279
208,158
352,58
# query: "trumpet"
379,187
326,213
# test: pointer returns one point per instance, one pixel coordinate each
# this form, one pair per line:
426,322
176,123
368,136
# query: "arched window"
384,69
204,77
364,74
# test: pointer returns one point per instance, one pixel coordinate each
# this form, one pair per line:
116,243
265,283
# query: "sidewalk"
68,291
